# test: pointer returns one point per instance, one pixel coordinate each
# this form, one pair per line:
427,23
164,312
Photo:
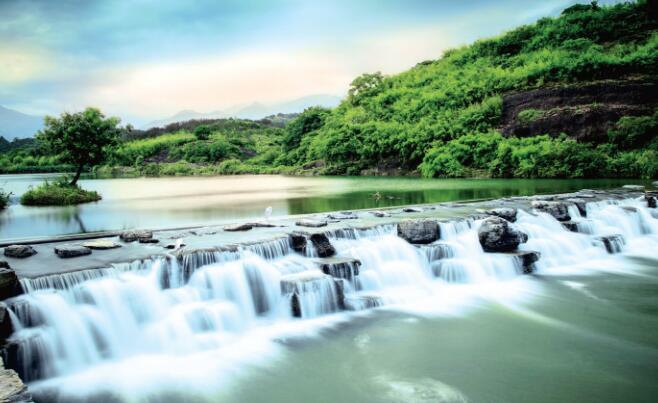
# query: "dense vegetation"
60,193
441,118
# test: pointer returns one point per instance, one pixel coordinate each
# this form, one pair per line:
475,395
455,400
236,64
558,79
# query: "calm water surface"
177,202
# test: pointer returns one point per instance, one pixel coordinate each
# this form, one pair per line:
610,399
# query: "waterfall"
201,300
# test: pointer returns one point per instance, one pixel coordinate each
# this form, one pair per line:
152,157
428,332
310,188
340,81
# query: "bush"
529,115
58,194
202,132
4,199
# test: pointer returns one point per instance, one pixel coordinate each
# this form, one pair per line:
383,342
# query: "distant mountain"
252,111
14,124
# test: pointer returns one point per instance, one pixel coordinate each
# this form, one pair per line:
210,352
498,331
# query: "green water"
177,202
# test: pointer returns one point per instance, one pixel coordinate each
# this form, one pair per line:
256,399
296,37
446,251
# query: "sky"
147,59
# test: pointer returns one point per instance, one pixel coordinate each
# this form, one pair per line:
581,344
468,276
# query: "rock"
6,328
101,244
4,264
629,209
298,242
173,246
345,215
311,223
19,251
69,251
612,243
12,389
311,282
412,210
148,240
581,204
339,267
638,188
261,224
527,259
380,214
570,225
506,213
132,236
558,210
497,235
419,231
651,202
9,284
323,247
360,302
238,227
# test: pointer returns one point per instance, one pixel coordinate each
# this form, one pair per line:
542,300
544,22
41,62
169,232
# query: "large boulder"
497,235
322,245
419,231
9,284
507,213
69,251
19,251
558,210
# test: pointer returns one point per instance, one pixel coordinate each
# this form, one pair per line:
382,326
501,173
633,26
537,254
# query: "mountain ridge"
15,124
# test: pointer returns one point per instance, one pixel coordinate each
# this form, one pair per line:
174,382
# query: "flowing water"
444,322
178,202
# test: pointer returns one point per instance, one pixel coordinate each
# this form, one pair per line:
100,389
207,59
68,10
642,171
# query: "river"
188,201
454,324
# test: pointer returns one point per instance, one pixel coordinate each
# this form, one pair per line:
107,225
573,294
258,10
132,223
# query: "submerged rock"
339,267
19,251
9,284
360,302
323,247
69,251
238,227
507,213
612,243
558,210
581,204
497,235
570,225
312,282
101,244
419,231
527,259
311,223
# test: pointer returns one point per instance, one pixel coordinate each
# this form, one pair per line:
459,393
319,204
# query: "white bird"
268,213
179,244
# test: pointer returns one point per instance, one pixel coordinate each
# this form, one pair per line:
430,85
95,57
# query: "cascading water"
208,300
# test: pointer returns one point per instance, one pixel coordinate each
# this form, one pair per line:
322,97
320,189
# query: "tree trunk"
77,175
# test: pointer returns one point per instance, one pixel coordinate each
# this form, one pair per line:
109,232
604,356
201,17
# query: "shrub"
4,199
529,115
58,194
202,132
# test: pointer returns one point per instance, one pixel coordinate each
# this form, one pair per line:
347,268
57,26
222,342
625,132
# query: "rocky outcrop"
340,267
19,251
323,247
12,389
419,231
612,243
527,260
69,251
132,236
298,242
9,284
507,213
559,210
498,235
584,112
6,327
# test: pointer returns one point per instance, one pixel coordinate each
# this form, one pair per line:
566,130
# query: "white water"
210,302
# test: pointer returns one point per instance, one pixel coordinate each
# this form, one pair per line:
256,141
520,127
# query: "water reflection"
178,202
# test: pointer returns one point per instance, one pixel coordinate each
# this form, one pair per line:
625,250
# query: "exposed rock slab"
311,223
238,227
19,251
323,247
507,213
498,235
70,251
638,188
419,231
380,213
559,210
101,244
132,236
339,267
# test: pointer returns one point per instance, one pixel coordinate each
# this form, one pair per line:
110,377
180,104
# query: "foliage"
202,132
635,131
529,115
4,198
81,139
58,194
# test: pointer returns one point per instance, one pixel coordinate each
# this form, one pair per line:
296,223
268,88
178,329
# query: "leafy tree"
364,86
82,138
308,121
202,132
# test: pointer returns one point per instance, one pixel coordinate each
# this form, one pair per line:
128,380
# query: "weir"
190,301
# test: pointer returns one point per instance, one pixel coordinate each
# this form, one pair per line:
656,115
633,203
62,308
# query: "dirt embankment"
584,112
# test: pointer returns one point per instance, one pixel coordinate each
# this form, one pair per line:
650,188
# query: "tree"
308,121
364,86
81,139
202,132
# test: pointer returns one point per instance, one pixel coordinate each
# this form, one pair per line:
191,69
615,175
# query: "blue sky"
146,59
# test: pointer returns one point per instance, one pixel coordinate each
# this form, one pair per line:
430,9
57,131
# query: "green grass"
58,194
